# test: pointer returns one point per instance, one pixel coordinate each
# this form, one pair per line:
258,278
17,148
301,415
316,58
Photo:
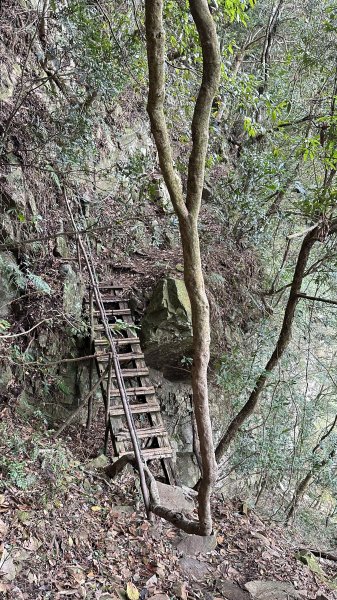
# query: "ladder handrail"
114,356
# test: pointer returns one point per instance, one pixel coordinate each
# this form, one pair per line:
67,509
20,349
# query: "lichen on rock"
166,332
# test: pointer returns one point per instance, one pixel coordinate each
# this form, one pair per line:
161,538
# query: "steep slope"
67,531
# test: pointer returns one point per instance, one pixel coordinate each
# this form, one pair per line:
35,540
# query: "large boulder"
166,332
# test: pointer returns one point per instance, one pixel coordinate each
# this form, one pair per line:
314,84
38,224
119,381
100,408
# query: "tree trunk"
318,233
194,281
187,210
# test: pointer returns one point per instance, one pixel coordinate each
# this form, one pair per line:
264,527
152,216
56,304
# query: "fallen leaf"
31,577
78,574
151,581
131,591
32,544
3,529
24,517
4,506
7,567
180,590
96,508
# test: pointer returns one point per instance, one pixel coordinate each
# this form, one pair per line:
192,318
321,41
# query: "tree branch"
155,43
317,299
202,110
313,236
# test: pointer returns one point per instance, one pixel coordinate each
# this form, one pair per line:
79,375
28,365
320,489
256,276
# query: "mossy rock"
166,330
11,280
308,559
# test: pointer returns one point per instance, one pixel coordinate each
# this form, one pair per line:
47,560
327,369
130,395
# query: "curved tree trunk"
187,210
201,341
318,233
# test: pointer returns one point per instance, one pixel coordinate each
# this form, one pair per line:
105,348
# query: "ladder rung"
115,299
143,433
134,391
153,453
110,299
136,409
118,341
113,312
132,373
102,286
111,326
124,357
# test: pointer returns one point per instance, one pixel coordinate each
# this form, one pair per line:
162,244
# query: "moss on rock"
166,331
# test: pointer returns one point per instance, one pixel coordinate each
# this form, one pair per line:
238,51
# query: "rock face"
166,332
8,289
174,498
73,292
192,545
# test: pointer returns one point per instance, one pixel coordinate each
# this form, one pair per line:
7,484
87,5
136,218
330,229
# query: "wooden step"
136,409
113,312
111,326
123,357
103,286
153,453
143,433
109,299
118,341
132,373
134,391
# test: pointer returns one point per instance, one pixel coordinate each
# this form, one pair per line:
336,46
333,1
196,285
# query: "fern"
39,283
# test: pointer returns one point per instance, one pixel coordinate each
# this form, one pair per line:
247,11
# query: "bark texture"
187,209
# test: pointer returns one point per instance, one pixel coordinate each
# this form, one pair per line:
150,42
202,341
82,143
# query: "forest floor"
66,531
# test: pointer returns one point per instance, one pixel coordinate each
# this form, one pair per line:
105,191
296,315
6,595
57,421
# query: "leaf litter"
87,538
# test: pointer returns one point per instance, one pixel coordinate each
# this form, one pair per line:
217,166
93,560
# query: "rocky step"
103,287
136,409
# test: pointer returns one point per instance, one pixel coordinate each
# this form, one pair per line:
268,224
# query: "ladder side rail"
107,405
117,368
91,399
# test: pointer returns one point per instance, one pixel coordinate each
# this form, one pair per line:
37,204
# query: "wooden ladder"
151,433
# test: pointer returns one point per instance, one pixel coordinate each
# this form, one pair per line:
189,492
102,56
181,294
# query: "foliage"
30,465
271,170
